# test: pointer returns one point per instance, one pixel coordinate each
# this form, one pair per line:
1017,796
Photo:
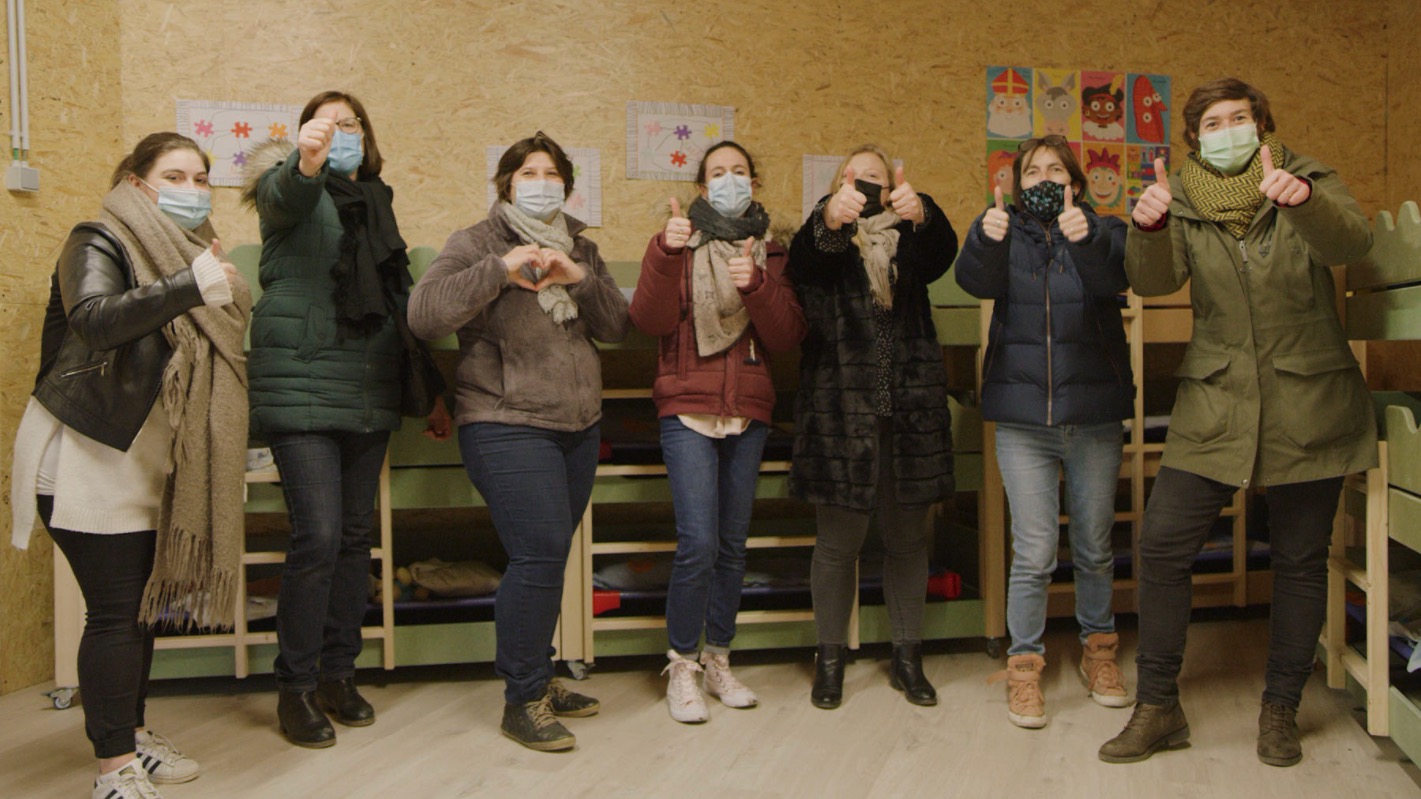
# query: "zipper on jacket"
1243,251
101,367
1050,369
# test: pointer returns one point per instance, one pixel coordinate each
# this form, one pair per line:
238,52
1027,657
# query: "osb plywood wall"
443,79
74,131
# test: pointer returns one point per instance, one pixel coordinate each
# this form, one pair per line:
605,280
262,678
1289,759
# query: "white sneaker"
722,684
165,764
683,696
129,782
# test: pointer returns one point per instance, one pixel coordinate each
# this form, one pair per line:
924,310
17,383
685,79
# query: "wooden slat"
1396,252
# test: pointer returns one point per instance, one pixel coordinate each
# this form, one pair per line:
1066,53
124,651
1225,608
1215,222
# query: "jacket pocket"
1322,397
92,367
313,337
1201,406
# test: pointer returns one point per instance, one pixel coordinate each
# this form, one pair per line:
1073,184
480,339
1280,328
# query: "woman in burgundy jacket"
713,289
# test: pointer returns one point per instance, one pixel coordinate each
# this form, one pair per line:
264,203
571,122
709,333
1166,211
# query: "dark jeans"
713,490
329,480
116,651
536,483
1182,510
840,537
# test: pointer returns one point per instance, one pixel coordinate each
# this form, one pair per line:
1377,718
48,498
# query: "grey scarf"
554,299
877,240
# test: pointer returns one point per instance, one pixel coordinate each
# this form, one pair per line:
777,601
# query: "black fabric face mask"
1045,200
873,191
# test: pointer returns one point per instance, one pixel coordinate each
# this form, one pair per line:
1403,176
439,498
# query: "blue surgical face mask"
347,152
540,199
187,207
729,194
1229,150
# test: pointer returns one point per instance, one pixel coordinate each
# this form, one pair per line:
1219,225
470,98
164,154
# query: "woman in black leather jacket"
95,449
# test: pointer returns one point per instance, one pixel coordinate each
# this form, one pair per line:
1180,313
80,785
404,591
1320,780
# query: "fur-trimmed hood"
264,157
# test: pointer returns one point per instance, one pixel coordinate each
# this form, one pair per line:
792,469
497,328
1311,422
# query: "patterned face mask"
1044,200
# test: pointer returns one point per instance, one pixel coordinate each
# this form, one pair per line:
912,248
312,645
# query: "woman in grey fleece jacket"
526,294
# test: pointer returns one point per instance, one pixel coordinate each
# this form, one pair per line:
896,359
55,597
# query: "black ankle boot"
340,699
828,690
906,674
302,722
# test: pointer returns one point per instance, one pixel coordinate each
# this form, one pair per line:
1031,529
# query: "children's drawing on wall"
1057,105
585,203
1115,122
228,131
1149,117
665,141
1103,106
1008,103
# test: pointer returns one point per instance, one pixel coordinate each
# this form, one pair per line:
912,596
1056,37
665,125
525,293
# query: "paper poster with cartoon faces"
1103,106
1008,103
1056,104
1140,169
1147,108
1000,155
1104,168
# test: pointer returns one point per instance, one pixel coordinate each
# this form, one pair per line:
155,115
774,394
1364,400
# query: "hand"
742,267
515,259
995,223
437,424
314,142
562,270
1280,185
1072,219
846,204
678,228
1154,203
904,201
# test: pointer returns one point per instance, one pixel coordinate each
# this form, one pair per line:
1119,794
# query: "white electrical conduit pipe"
12,23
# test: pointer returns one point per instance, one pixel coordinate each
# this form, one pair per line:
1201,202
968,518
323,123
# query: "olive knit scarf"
1230,200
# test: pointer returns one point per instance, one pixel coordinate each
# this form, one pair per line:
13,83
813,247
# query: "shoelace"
135,784
159,745
690,668
1142,717
721,667
1276,718
542,712
558,691
1107,676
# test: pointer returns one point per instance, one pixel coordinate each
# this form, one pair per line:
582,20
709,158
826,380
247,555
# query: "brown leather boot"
1101,674
1150,729
1278,743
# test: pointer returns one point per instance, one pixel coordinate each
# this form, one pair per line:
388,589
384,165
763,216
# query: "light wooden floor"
437,736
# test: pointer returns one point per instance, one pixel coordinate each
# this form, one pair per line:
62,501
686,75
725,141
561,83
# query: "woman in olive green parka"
1269,394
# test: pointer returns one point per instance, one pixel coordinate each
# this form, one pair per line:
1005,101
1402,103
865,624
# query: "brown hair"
371,165
150,149
513,158
701,170
1063,151
1217,91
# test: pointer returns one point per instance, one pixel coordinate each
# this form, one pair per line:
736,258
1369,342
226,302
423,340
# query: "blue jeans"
536,483
329,480
1031,458
713,489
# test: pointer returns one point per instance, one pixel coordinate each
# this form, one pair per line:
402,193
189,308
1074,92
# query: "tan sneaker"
720,683
1100,673
1026,705
683,696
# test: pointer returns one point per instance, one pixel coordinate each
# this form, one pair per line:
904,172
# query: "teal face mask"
1229,150
347,151
187,207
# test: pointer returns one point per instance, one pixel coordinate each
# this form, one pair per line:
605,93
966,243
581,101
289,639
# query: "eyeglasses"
350,125
1050,141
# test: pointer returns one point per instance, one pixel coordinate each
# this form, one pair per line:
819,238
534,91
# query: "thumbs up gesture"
1072,220
904,201
846,204
1154,203
996,223
1280,185
742,267
678,228
314,142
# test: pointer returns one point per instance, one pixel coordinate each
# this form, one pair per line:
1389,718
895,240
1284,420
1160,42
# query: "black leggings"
116,651
1182,509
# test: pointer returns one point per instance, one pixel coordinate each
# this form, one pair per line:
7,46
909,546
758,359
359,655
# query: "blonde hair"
859,150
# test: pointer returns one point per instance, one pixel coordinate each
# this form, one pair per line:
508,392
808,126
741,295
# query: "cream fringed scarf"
877,240
720,315
204,392
553,299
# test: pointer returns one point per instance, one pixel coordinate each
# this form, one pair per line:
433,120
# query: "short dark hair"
1217,91
150,149
1063,151
371,165
513,158
701,170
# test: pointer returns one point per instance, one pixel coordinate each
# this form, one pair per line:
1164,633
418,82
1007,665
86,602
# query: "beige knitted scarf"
204,392
1230,200
877,240
718,313
553,299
